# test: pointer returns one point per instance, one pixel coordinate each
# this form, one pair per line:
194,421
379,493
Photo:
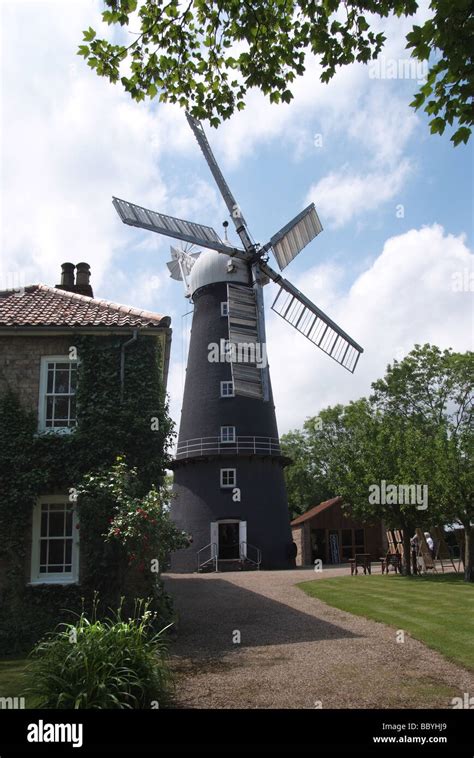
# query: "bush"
96,664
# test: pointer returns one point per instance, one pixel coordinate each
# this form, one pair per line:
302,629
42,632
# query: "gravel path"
295,651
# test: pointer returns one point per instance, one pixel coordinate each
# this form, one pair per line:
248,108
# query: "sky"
393,265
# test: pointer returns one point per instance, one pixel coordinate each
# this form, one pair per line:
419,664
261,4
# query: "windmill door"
228,540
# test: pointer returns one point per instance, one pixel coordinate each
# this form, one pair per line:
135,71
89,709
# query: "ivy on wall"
137,427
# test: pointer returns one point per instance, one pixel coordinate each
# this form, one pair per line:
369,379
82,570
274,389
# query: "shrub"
113,663
138,523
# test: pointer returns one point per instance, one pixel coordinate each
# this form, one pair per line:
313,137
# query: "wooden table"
363,560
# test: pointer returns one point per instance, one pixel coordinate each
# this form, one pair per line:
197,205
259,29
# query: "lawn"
11,678
437,610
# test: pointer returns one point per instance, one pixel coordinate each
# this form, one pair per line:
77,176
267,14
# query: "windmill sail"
188,231
230,201
298,233
224,188
180,267
246,311
311,321
181,262
246,352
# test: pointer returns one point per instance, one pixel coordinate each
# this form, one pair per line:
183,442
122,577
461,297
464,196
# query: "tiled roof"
39,305
316,510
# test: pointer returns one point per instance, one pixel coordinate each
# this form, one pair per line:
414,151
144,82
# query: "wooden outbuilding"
329,533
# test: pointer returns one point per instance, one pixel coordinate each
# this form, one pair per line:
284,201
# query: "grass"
437,610
12,681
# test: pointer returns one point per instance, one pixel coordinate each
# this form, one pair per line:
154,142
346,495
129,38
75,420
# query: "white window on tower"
55,541
227,389
57,400
227,433
228,477
225,308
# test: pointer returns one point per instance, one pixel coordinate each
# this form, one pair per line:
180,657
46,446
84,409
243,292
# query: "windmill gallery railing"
202,446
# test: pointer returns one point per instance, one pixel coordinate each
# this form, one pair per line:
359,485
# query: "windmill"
229,485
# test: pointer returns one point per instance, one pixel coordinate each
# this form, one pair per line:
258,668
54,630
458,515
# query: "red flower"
78,526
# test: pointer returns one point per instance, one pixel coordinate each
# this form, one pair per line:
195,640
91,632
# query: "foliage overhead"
206,54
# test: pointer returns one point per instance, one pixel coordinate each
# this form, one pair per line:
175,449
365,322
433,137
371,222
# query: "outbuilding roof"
316,510
39,305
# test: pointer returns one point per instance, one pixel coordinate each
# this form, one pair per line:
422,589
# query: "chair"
393,560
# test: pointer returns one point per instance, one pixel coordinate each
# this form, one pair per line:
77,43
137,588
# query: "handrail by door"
244,556
213,557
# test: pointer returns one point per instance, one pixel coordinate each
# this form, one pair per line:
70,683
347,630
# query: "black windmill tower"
228,470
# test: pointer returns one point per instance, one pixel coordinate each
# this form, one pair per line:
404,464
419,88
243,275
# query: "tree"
433,390
206,54
414,431
306,483
356,448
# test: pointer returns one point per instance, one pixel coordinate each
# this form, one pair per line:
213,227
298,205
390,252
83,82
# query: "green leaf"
437,125
89,34
461,135
172,44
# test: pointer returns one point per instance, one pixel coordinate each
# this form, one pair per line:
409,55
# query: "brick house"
328,533
39,328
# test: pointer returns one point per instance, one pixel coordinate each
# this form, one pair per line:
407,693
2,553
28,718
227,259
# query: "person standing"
430,543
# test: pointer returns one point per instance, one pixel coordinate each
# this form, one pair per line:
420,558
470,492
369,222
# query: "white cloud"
405,297
383,126
352,105
316,107
343,194
69,142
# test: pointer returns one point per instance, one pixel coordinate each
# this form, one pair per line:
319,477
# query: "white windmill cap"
212,267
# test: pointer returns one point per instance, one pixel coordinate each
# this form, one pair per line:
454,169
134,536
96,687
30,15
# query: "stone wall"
301,536
297,534
20,364
20,367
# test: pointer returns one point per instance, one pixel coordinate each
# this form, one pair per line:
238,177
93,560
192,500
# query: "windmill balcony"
202,447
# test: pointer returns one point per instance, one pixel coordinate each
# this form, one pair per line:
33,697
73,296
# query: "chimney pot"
83,279
83,274
67,274
82,284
